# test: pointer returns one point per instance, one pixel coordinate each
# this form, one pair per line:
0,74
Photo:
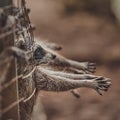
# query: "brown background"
87,31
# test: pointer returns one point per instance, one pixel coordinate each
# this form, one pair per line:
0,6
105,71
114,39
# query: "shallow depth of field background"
87,30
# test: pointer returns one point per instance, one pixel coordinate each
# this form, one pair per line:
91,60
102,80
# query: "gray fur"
45,81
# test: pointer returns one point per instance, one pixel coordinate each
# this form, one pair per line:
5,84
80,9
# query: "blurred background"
88,30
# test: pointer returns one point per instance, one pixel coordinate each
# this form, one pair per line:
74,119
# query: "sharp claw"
109,83
105,82
103,89
91,67
98,91
104,85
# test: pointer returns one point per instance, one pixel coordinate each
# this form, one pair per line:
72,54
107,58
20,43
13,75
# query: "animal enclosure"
30,65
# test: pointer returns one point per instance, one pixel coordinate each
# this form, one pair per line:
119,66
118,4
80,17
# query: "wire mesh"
22,28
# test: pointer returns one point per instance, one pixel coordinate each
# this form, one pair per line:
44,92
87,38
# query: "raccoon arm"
64,62
47,82
86,66
68,75
54,83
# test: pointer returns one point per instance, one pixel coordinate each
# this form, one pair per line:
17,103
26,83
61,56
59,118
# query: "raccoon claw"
91,67
102,84
98,91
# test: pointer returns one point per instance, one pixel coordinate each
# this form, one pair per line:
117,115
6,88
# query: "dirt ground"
83,37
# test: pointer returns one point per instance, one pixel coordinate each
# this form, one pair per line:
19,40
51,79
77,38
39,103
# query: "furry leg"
68,75
56,83
86,67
